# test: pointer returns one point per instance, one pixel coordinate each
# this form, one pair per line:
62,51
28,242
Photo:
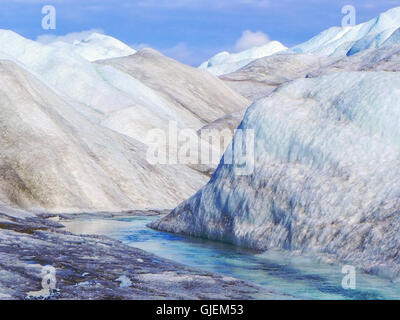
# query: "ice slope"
196,96
326,177
226,62
335,41
262,76
53,159
97,47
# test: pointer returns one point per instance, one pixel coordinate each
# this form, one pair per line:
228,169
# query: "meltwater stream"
299,277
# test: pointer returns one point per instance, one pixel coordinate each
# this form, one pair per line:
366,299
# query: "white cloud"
187,54
139,46
69,37
251,39
179,52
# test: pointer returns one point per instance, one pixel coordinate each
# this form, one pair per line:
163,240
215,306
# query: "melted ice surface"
285,275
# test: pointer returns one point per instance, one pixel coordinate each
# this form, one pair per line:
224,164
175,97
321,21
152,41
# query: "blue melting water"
298,277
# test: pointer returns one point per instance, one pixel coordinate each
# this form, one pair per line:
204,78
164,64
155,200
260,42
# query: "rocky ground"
95,267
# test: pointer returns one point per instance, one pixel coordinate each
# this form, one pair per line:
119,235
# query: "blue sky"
188,30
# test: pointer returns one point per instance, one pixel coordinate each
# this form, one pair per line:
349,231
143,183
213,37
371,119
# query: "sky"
190,31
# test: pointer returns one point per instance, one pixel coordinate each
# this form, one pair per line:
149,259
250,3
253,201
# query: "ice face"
326,176
393,39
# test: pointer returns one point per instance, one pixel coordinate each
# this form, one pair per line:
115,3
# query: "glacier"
326,177
336,42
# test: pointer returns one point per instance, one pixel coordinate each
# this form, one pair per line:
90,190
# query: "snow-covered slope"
226,62
52,158
326,177
378,32
97,47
